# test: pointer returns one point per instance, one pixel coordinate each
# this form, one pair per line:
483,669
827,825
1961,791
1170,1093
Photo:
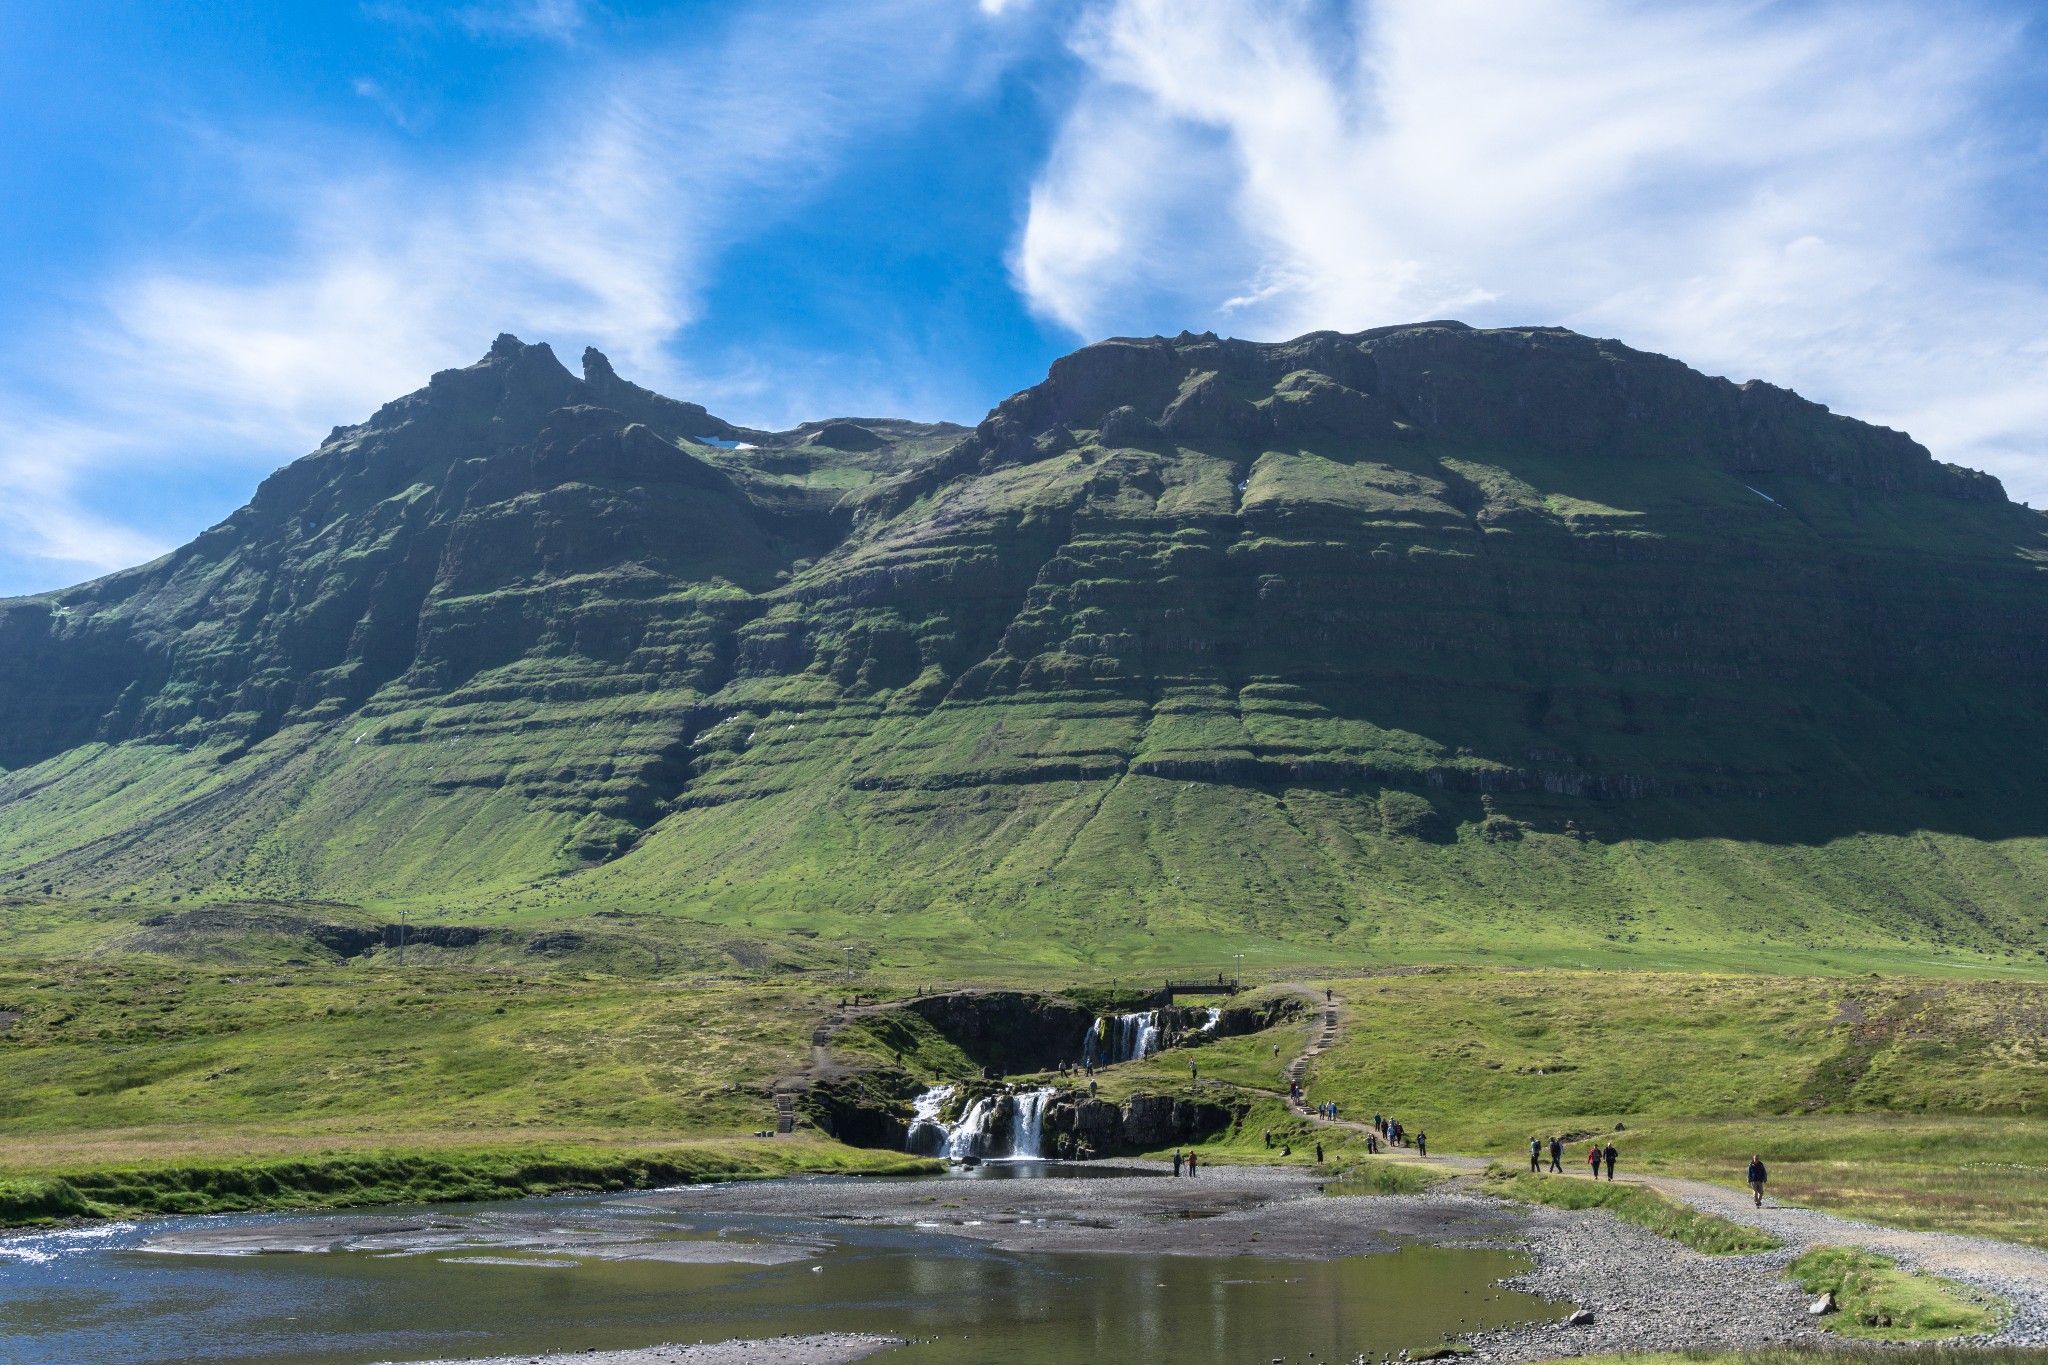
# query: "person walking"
1608,1154
1192,1073
1421,1143
1556,1152
1191,1165
1269,1137
1176,1163
1535,1155
1757,1176
1593,1159
1319,1154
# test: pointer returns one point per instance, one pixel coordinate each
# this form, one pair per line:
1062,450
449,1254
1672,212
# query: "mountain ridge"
1420,605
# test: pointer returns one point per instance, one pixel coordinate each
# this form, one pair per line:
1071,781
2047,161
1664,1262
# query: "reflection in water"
550,1275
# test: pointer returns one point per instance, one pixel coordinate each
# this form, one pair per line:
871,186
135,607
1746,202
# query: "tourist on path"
1421,1143
1593,1159
1556,1152
1319,1154
1757,1176
1608,1154
1535,1155
1191,1165
1269,1137
1176,1163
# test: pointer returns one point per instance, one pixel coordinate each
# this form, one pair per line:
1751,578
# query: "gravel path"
2015,1273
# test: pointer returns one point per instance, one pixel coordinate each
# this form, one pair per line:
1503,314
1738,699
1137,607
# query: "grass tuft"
1707,1232
1874,1298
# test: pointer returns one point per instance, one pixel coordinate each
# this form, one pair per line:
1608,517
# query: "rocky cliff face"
1411,629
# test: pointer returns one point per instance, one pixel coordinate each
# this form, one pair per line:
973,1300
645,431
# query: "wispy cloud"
604,226
1796,193
557,20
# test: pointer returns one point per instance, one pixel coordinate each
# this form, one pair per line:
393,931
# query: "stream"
607,1272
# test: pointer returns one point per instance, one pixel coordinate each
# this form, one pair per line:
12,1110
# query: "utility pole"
1238,978
849,962
401,936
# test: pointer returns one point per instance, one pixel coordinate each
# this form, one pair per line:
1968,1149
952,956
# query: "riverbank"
367,1178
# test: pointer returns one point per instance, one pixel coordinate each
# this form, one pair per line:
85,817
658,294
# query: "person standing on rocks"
1556,1153
1608,1154
1176,1163
1191,1165
1757,1176
1535,1155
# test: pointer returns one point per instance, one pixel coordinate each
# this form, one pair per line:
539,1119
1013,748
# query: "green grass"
1878,1300
355,1179
1906,1099
1705,1232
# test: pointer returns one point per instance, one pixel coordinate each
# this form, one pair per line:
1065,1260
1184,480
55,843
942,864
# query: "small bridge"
1173,990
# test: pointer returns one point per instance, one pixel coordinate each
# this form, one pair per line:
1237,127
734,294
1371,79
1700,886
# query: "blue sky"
229,227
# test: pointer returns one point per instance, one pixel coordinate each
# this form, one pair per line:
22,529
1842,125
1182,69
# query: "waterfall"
1146,1028
1209,1024
1027,1128
1123,1038
969,1137
927,1134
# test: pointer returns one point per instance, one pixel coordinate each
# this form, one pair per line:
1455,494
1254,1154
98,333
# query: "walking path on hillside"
2018,1274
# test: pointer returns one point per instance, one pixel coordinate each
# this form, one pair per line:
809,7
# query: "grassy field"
1910,1100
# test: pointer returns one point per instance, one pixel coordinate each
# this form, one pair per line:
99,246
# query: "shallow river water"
603,1272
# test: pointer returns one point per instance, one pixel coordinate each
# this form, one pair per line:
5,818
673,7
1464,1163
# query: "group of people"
1393,1132
1192,1160
1596,1156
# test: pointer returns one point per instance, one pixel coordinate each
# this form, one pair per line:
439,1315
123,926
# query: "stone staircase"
1326,1037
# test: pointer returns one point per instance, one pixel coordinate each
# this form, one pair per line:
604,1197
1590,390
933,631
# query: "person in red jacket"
1593,1160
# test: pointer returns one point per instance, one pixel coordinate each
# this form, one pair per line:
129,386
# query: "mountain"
1423,637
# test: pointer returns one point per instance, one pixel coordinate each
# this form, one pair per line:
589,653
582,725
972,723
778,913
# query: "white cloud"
523,18
603,228
1789,193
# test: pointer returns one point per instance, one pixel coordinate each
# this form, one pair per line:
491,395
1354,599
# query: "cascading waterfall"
1209,1024
970,1134
1122,1038
927,1134
1027,1128
969,1138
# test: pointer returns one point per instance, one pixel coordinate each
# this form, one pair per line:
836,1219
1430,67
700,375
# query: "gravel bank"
1647,1293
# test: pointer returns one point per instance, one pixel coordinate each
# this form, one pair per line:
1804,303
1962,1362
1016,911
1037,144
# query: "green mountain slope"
1424,639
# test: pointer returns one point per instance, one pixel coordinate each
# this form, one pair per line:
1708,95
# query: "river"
610,1272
